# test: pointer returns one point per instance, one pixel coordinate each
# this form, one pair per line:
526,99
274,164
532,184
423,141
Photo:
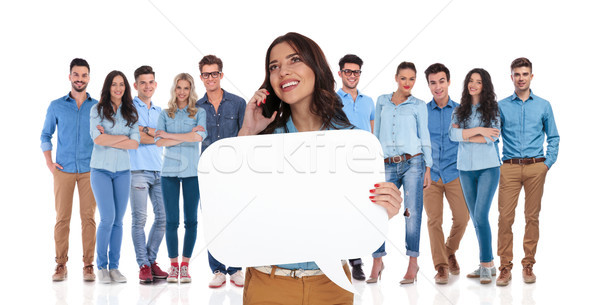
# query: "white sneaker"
103,276
237,278
116,276
173,274
184,275
217,281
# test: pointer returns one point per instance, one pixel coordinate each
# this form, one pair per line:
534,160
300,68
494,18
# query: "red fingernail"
372,200
376,185
267,92
372,191
371,197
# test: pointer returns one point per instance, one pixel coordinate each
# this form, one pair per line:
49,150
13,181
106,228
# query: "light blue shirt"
402,129
475,156
524,124
147,156
360,112
443,150
181,160
107,157
74,145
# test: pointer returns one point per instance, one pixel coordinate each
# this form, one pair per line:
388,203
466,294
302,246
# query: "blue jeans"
144,184
408,174
111,191
479,187
191,199
215,266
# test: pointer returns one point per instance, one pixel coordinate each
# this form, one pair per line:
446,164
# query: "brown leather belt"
400,158
524,161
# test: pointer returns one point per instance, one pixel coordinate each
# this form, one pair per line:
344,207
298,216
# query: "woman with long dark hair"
476,125
180,128
401,127
114,129
298,95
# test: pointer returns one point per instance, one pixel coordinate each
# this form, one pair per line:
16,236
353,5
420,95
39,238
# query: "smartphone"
271,105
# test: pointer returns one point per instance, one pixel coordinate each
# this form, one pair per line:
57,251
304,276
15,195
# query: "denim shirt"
148,156
402,129
304,265
107,157
475,156
360,112
181,160
443,150
524,124
74,145
226,122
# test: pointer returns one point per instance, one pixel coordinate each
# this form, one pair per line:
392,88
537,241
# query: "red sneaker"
157,272
145,274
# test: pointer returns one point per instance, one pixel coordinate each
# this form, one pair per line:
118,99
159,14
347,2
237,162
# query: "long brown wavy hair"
325,102
105,108
488,106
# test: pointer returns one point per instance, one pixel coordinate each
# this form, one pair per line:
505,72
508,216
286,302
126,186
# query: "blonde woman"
179,130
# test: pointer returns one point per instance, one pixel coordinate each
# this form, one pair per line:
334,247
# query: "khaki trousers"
64,186
513,177
263,289
433,201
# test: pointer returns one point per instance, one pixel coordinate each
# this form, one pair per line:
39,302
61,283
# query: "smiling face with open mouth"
79,77
292,80
475,84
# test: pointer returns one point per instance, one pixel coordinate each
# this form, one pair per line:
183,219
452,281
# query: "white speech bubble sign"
289,198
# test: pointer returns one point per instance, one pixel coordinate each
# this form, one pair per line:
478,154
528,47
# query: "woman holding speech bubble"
180,129
476,125
298,95
401,127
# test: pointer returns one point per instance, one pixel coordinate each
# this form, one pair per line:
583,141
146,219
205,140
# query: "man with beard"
360,110
72,167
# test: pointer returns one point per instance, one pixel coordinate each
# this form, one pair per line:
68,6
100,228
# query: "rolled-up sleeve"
48,129
161,124
423,130
94,121
201,121
134,133
455,133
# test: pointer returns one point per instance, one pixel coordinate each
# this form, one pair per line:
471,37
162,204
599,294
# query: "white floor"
561,280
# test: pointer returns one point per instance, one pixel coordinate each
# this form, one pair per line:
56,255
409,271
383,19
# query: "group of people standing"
112,150
450,148
432,149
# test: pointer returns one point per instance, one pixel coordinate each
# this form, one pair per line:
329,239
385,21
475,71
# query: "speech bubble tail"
335,272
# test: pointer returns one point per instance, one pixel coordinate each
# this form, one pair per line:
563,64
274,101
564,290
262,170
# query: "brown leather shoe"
453,265
88,273
528,276
442,276
504,278
60,273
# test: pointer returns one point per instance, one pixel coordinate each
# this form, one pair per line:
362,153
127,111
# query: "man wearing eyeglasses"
224,117
360,110
358,107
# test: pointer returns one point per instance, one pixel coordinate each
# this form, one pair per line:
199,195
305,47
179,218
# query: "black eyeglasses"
215,74
349,72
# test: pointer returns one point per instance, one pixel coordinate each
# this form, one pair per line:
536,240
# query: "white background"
39,39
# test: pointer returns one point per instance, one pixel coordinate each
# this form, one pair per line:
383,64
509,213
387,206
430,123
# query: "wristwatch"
145,130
